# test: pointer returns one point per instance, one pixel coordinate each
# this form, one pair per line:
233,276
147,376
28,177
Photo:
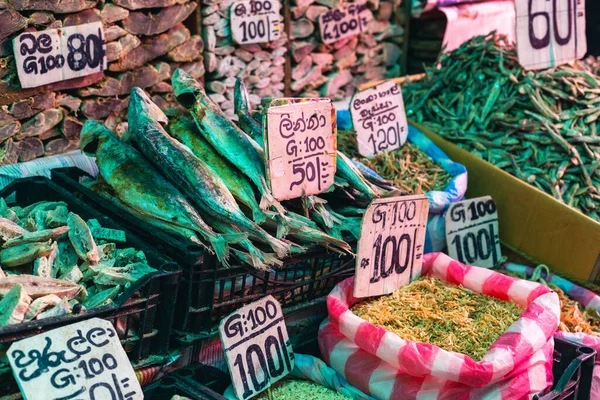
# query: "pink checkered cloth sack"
381,364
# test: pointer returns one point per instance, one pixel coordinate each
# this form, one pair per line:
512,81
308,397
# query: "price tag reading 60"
256,346
390,247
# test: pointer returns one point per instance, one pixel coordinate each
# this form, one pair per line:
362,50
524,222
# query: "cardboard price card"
255,21
300,147
379,119
257,347
390,248
344,22
550,33
472,232
59,54
84,360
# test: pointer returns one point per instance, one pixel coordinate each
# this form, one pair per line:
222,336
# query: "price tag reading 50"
391,242
550,32
59,54
257,347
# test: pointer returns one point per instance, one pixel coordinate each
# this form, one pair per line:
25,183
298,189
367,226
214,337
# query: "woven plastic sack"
382,365
315,370
435,236
586,298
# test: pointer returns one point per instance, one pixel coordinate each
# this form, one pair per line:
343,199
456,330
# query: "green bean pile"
539,126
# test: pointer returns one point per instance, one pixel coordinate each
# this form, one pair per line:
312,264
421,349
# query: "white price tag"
390,248
300,147
255,21
550,33
344,22
472,232
59,54
379,119
257,347
84,360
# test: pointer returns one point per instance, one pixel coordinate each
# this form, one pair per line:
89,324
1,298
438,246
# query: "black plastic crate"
141,314
573,368
208,292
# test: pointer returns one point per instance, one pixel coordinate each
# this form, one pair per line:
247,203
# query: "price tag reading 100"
550,32
391,242
255,21
257,347
472,232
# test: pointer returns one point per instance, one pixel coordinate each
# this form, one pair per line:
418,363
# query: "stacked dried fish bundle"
54,263
336,70
145,42
201,177
260,65
539,126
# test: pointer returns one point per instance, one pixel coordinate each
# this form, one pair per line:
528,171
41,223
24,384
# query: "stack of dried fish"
429,310
54,263
408,168
201,177
335,70
539,126
260,65
146,41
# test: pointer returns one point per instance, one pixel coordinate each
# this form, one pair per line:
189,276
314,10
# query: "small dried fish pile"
429,310
539,126
335,70
260,65
199,176
305,390
54,263
145,42
408,168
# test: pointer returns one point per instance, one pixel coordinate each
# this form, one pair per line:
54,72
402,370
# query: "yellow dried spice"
301,390
408,168
432,311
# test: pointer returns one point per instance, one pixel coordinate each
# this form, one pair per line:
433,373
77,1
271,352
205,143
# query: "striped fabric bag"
381,364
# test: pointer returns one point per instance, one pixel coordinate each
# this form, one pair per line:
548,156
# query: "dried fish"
14,305
24,253
81,239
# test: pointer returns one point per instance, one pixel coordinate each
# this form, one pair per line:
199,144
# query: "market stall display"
260,64
144,43
538,126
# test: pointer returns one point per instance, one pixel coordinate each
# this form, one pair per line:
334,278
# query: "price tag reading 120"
300,147
379,119
550,32
80,361
390,249
257,347
255,21
59,54
472,232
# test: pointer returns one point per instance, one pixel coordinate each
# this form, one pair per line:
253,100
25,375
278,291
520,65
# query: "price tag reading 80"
472,232
257,347
59,54
550,32
390,247
255,21
82,361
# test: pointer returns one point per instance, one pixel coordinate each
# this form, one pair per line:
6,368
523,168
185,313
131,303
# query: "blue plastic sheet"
435,239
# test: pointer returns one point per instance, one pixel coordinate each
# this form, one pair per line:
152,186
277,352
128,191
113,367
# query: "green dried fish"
39,305
112,235
57,217
81,239
38,236
242,109
24,253
14,305
102,298
62,308
74,275
9,229
122,275
37,286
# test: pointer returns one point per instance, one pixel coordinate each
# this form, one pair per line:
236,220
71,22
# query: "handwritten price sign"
59,54
255,21
344,22
257,347
390,249
300,147
550,32
80,361
379,119
472,232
